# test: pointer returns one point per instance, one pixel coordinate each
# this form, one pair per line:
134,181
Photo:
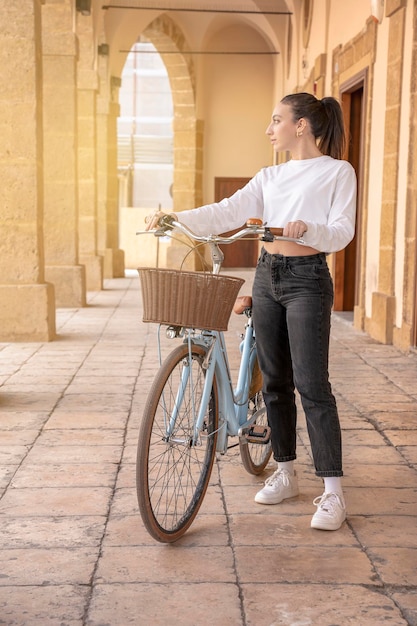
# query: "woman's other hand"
152,220
295,230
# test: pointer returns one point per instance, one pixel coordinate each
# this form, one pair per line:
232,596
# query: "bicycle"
192,407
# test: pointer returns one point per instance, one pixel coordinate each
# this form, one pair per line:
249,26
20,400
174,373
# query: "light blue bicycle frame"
232,403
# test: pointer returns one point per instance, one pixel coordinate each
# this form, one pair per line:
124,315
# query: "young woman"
313,196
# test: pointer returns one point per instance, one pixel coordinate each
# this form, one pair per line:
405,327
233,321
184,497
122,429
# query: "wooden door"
347,264
243,253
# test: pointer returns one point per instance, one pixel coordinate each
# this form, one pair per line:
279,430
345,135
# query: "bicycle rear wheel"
255,456
173,470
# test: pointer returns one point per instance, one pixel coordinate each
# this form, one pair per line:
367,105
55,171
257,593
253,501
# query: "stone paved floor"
73,549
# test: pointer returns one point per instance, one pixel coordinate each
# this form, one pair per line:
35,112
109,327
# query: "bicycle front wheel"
173,466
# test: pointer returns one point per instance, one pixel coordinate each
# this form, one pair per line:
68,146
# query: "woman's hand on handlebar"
295,229
153,221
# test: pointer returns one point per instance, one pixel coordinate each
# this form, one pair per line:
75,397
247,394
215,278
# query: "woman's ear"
301,125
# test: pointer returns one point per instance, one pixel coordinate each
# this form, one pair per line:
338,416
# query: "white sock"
333,484
287,465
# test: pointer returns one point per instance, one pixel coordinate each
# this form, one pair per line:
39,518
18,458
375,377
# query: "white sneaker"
278,487
331,512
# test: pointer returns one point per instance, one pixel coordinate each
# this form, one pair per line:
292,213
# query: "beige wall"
232,88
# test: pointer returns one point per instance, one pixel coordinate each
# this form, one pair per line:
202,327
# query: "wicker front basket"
190,299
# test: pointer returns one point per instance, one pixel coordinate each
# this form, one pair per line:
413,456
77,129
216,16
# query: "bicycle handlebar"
254,226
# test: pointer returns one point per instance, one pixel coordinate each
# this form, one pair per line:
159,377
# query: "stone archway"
188,131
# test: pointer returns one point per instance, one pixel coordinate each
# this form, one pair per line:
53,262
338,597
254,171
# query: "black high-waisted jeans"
292,302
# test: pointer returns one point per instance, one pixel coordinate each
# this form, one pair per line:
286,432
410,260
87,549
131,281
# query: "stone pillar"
188,180
27,306
107,180
60,156
188,159
383,301
406,336
87,82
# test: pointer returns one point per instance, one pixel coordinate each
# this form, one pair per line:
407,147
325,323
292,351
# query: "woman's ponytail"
333,139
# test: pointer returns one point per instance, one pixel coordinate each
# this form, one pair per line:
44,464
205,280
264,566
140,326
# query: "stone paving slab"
65,475
51,531
21,567
178,604
37,605
321,605
74,551
303,564
55,501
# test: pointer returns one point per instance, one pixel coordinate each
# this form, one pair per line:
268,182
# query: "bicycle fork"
198,414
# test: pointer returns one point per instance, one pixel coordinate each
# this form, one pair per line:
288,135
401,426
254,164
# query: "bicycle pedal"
256,434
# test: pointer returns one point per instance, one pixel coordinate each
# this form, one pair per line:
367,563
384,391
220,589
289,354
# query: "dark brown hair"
325,118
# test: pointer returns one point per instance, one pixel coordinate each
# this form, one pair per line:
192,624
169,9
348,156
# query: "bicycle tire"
255,456
172,476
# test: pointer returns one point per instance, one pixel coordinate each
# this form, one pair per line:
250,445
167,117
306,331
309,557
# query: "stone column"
60,155
87,81
188,159
188,180
383,301
406,336
27,305
107,180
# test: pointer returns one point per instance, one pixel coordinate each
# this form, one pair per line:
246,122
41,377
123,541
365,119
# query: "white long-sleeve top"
320,191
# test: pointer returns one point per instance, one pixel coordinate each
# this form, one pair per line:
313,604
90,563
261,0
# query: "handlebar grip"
278,232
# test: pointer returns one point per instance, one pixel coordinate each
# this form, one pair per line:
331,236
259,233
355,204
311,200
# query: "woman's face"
282,129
